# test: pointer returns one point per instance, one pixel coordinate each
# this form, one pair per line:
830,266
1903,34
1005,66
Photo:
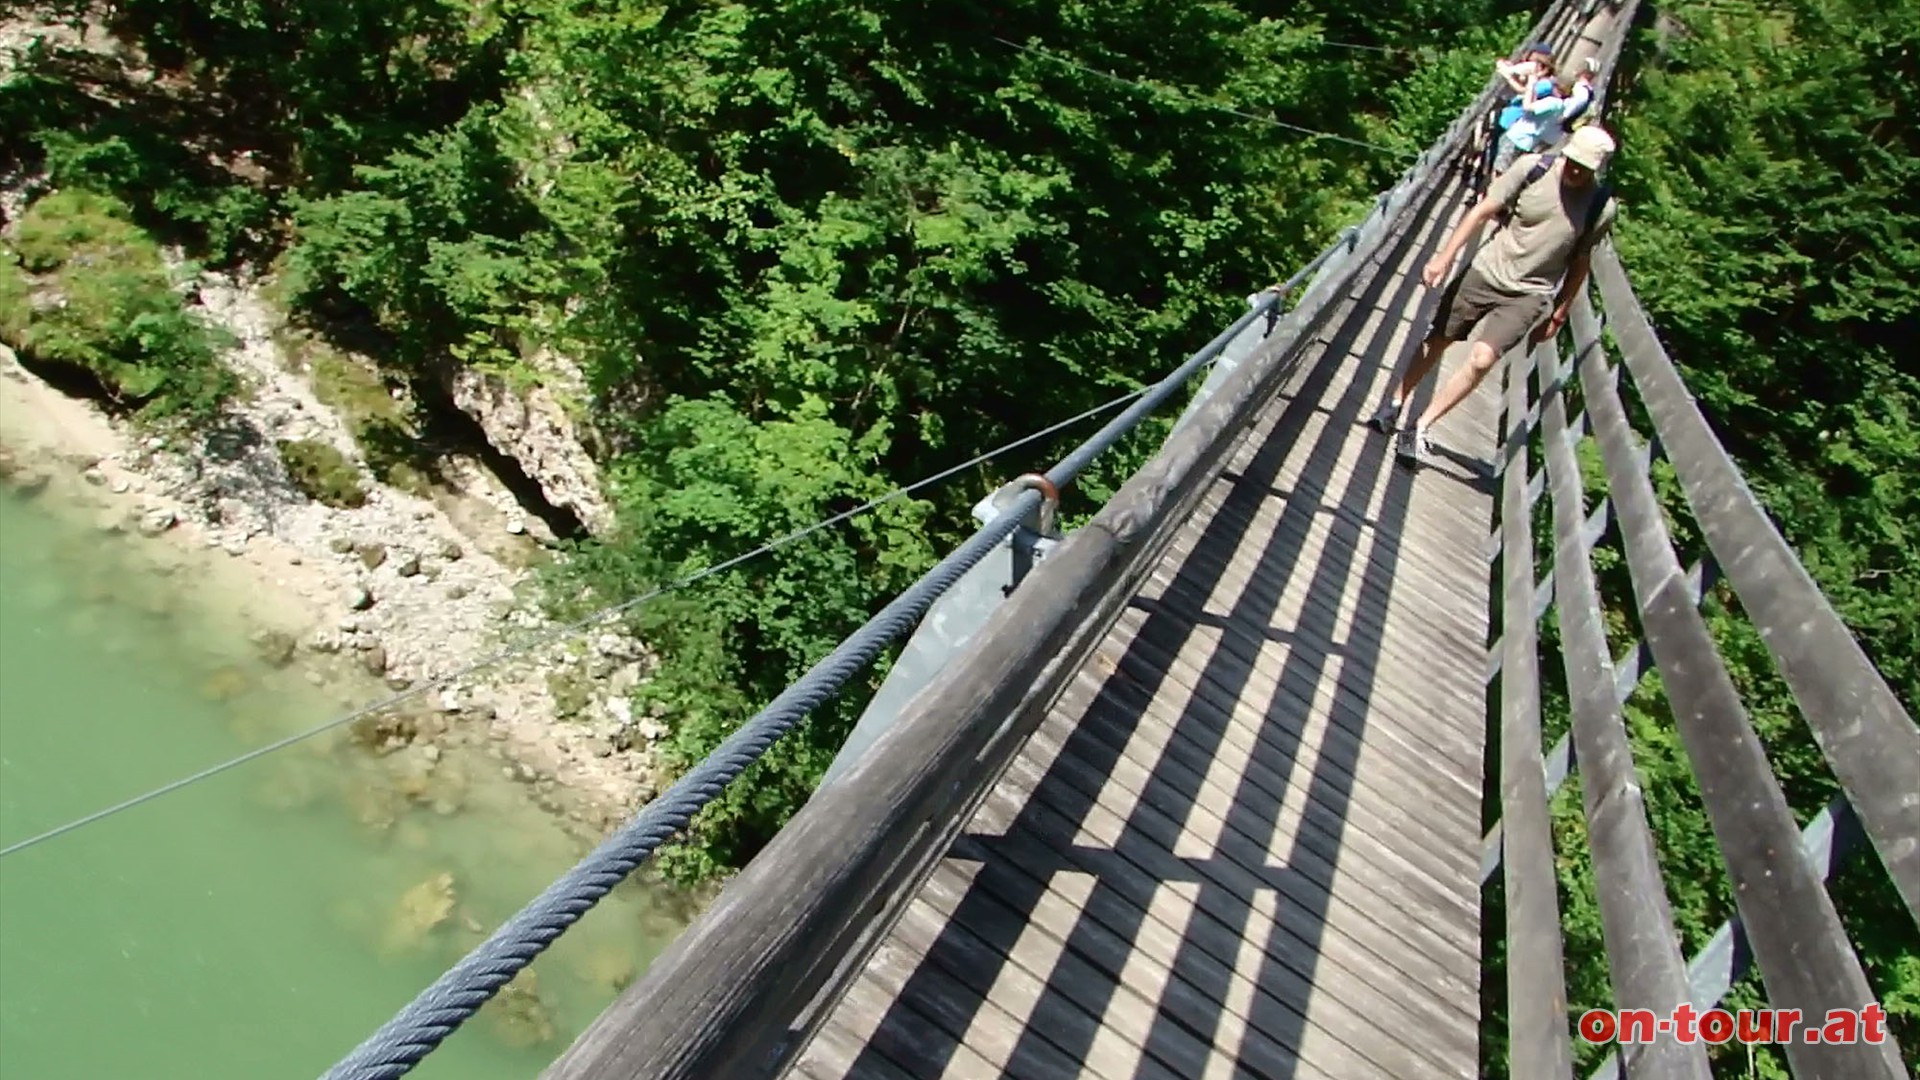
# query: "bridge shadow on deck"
1257,927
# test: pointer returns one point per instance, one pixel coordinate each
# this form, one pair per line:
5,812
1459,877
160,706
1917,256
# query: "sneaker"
1385,420
1415,447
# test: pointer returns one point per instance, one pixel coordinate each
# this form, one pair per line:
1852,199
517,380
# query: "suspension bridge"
1201,788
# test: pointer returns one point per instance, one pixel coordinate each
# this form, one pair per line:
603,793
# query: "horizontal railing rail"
1786,921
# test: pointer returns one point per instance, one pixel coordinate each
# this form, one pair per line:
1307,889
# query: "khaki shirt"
1531,253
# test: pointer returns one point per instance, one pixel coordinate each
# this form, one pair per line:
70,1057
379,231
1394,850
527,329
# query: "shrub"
323,473
85,287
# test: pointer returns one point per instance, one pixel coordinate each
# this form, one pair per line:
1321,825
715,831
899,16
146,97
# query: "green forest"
807,253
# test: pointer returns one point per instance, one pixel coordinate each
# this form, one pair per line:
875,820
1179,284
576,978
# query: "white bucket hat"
1590,146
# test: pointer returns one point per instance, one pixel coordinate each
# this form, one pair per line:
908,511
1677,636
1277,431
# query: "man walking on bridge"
1556,210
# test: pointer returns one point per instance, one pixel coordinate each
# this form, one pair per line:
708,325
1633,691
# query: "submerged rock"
518,1015
420,910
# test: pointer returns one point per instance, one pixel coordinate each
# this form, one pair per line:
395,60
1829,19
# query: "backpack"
1595,208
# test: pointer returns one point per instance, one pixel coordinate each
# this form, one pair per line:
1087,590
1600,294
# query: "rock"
408,566
340,545
120,487
412,772
155,522
359,599
224,685
397,683
372,555
31,482
275,646
420,909
375,660
94,477
451,550
457,591
517,527
111,523
450,700
315,678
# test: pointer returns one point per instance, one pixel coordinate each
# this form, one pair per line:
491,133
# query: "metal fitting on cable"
1050,500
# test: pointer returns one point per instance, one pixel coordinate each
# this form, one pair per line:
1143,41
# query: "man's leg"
1460,307
1480,360
1507,321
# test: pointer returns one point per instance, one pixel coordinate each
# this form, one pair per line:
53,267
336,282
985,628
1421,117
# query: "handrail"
1862,729
1785,915
1633,903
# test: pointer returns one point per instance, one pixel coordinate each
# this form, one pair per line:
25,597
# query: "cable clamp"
1050,500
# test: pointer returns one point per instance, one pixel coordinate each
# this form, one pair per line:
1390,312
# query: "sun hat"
1590,146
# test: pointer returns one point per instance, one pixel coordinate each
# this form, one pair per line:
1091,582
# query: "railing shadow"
1113,935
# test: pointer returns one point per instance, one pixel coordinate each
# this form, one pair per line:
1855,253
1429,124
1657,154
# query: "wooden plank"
1312,827
1447,738
1383,727
1643,952
1303,614
1311,883
1803,952
1341,995
1401,842
1537,1035
1865,733
1146,1009
1149,838
1422,591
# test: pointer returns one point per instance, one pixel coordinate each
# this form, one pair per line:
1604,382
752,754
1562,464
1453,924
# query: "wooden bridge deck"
1245,841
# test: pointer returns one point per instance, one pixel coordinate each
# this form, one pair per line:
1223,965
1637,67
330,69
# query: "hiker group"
1550,205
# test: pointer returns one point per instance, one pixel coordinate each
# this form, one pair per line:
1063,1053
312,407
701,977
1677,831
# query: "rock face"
532,427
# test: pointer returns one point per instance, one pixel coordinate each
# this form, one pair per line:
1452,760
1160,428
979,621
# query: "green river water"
261,923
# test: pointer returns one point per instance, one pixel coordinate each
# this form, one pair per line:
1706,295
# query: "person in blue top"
1532,76
1529,78
1538,125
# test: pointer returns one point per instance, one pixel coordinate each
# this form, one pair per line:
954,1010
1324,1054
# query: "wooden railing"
1786,917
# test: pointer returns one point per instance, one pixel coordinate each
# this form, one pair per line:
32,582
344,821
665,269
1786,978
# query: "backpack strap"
1539,170
1594,209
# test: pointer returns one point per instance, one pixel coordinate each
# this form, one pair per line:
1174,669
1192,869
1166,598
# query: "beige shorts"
1503,317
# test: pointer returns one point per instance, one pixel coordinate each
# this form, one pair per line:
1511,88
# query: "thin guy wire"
559,632
1199,100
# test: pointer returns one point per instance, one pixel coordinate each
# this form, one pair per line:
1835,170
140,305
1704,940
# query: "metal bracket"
1037,535
960,613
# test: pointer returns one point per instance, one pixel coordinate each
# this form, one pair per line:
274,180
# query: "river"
260,923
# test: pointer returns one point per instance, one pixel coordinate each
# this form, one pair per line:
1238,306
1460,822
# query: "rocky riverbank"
410,587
